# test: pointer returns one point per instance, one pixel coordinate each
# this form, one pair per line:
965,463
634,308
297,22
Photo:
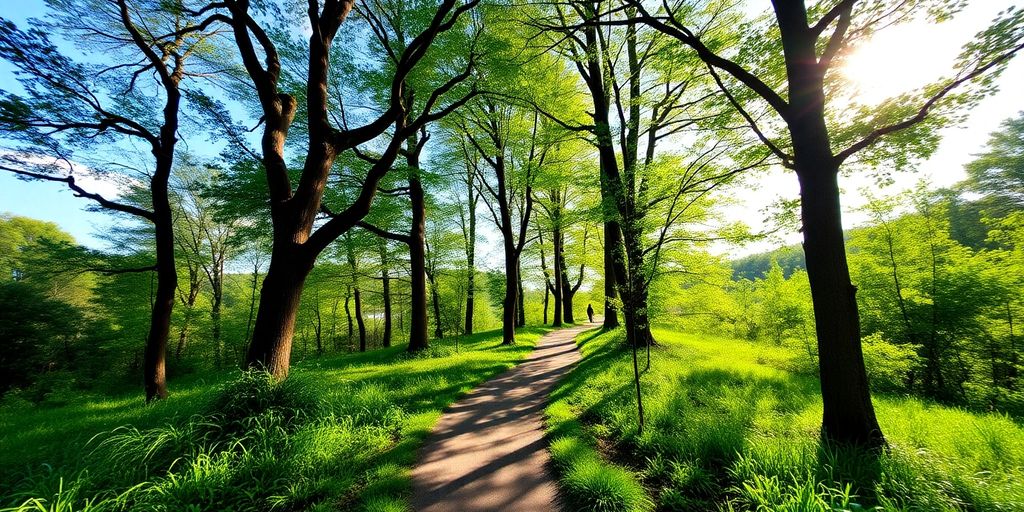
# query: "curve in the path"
488,452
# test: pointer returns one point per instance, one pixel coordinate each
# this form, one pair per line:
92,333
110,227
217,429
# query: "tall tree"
640,98
507,183
294,208
998,172
467,223
385,281
65,110
807,44
351,248
552,283
206,237
394,24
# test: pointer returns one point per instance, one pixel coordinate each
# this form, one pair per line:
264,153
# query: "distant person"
590,312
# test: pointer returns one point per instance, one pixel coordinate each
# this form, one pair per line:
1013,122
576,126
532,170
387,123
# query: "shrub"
591,485
888,365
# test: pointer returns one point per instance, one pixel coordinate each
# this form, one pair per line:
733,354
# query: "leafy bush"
255,393
888,365
595,486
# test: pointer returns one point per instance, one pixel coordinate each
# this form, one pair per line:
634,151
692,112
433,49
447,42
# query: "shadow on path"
488,452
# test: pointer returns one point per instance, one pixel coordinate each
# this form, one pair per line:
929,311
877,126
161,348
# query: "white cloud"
107,185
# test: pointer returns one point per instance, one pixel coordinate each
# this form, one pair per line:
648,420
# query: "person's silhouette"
590,312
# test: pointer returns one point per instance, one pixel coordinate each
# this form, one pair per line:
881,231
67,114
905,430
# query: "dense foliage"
369,190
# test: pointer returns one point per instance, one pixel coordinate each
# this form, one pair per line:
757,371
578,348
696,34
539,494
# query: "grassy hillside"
731,426
339,434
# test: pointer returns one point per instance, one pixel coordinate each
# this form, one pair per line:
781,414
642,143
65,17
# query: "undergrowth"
339,434
731,427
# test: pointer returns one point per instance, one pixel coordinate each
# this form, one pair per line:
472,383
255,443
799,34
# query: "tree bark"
318,327
511,300
563,271
547,298
385,278
436,299
470,251
215,314
155,356
271,345
183,332
359,319
252,301
520,306
348,315
612,238
470,284
557,286
418,337
849,416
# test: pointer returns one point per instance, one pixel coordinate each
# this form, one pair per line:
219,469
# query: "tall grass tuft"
340,434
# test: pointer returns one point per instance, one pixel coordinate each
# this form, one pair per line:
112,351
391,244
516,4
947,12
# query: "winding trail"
487,453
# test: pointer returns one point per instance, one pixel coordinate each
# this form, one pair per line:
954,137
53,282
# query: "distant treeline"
966,227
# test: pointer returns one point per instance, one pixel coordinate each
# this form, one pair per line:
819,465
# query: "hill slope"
733,426
339,434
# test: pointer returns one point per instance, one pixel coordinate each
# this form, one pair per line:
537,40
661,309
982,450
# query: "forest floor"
341,433
488,452
733,425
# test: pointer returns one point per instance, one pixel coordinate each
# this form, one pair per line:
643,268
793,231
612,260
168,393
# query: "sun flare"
898,60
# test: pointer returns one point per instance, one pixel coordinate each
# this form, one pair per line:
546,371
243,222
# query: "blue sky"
45,201
921,50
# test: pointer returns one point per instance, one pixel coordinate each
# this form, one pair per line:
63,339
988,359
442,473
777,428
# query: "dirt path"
488,452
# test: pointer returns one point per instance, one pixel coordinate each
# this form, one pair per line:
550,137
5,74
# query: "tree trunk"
547,297
520,302
215,314
557,239
334,324
633,290
183,332
348,315
556,321
252,302
511,300
612,239
608,167
562,270
318,327
359,319
470,253
215,321
567,313
155,355
561,288
470,278
436,299
849,416
418,337
271,345
188,301
386,284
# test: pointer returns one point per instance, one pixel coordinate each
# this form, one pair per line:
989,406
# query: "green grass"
733,426
341,433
